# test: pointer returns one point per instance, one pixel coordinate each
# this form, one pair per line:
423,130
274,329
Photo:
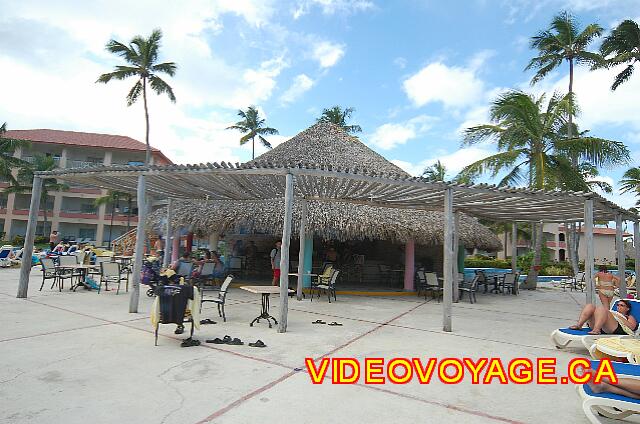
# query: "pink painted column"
189,242
175,248
409,265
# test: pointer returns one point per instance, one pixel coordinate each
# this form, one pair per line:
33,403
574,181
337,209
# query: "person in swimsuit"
604,321
605,283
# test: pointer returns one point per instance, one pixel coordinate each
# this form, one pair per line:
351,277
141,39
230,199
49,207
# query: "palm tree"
563,41
434,173
24,182
623,45
141,56
630,182
113,198
8,162
337,115
534,150
253,126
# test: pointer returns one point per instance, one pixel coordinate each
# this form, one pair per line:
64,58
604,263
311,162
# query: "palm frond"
264,142
160,87
134,94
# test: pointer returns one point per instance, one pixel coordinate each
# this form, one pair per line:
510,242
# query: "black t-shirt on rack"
173,302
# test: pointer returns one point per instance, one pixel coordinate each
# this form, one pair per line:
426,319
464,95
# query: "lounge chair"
610,405
5,253
563,336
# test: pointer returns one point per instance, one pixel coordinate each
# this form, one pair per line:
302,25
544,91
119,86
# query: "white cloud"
400,62
327,53
331,7
453,86
391,135
300,85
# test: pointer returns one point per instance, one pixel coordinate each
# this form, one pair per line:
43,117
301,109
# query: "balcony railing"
82,164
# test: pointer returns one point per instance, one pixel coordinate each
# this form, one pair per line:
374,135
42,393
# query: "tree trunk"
570,235
44,212
147,160
113,210
532,276
253,148
128,213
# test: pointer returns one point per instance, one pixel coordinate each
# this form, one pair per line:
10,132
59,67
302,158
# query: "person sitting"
59,249
605,283
602,320
186,258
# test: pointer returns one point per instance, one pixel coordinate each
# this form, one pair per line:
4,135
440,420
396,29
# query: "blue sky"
417,72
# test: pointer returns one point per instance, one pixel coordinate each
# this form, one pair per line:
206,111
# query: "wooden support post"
284,254
175,245
139,250
166,258
409,265
454,256
636,245
514,247
588,263
32,223
448,257
301,252
621,257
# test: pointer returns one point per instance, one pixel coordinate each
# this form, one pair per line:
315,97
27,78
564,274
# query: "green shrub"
18,240
474,262
630,263
41,239
556,270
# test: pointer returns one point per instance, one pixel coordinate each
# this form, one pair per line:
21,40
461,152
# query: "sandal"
207,321
217,340
235,342
333,324
258,343
318,321
226,339
179,329
190,342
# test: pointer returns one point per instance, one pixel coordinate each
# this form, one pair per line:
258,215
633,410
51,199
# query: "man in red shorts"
275,263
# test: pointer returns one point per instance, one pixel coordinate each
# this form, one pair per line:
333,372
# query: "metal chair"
433,286
470,288
63,274
329,287
421,282
48,272
185,270
221,298
110,273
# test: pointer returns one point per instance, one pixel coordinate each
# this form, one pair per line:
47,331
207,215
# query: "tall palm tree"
630,182
24,182
253,126
113,198
8,162
337,115
534,150
141,56
434,173
563,41
620,47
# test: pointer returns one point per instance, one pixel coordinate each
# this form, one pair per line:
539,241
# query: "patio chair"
421,282
206,274
110,273
329,287
509,283
176,304
5,252
433,286
563,336
610,405
185,269
323,278
470,287
48,272
70,274
221,297
96,269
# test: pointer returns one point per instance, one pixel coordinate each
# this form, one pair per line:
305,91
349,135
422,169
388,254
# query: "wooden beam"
284,254
166,258
448,255
27,252
454,255
139,249
302,235
514,247
588,263
621,258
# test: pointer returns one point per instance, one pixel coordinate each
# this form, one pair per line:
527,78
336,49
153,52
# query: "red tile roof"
72,138
600,230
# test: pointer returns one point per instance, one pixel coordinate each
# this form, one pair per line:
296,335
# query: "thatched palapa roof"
326,144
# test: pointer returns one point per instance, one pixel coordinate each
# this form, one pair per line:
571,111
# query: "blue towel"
582,332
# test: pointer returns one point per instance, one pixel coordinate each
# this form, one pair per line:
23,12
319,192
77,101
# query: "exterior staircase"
125,244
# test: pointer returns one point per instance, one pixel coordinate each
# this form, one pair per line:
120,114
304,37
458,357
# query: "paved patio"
69,357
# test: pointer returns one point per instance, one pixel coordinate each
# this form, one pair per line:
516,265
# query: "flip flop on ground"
258,343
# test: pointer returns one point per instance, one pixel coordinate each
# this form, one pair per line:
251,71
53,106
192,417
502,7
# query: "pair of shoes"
179,329
333,324
318,321
207,321
190,342
258,343
226,340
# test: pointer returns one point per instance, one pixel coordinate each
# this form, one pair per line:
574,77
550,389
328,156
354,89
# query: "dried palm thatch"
329,145
329,220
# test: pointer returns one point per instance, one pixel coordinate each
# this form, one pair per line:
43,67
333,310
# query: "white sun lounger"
610,405
563,336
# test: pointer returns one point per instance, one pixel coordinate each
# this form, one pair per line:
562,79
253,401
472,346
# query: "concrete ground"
80,356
